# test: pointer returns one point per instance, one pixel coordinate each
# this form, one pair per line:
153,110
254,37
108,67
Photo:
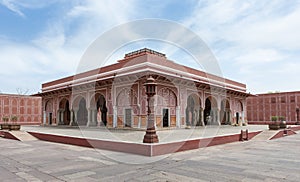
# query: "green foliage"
277,118
274,118
5,118
14,118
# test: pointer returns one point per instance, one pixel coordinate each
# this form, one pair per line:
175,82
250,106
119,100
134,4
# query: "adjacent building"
28,109
114,95
261,107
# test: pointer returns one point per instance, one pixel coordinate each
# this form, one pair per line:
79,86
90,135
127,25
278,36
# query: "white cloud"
10,4
259,56
56,51
16,6
251,39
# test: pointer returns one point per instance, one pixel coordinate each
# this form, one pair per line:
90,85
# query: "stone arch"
127,96
167,96
126,101
239,115
225,112
22,102
14,107
80,110
193,110
210,111
64,112
36,119
49,111
166,106
29,103
98,109
240,106
14,102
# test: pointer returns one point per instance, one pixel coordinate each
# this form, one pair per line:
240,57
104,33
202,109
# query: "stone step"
265,135
23,135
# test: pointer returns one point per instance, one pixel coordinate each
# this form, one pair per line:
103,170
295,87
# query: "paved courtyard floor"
272,160
127,135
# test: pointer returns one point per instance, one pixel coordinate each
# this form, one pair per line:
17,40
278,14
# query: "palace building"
262,107
114,95
27,109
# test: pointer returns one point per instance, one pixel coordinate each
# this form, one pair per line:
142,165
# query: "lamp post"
150,136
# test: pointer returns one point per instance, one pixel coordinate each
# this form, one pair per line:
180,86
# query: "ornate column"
218,117
94,122
243,117
187,117
178,116
202,117
115,116
139,115
214,116
89,117
58,122
44,117
150,136
75,116
71,117
230,117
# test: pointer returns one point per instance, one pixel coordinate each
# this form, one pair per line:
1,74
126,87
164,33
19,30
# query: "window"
273,100
282,99
292,99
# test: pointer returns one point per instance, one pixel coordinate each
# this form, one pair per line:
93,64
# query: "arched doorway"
48,112
82,113
239,115
225,112
210,111
193,111
126,107
99,110
166,107
64,112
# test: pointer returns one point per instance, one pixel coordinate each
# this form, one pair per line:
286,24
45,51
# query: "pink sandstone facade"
261,107
114,95
28,109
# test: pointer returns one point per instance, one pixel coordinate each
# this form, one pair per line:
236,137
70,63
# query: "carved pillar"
187,117
243,117
178,116
44,117
202,117
218,117
89,117
115,117
75,116
94,112
58,122
230,117
213,117
140,121
71,117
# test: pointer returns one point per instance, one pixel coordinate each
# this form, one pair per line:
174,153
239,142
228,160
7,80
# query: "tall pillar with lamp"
150,136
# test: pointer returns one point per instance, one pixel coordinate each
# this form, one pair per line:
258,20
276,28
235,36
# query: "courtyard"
136,136
254,160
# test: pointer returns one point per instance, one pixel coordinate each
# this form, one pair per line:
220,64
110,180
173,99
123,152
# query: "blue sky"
256,42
